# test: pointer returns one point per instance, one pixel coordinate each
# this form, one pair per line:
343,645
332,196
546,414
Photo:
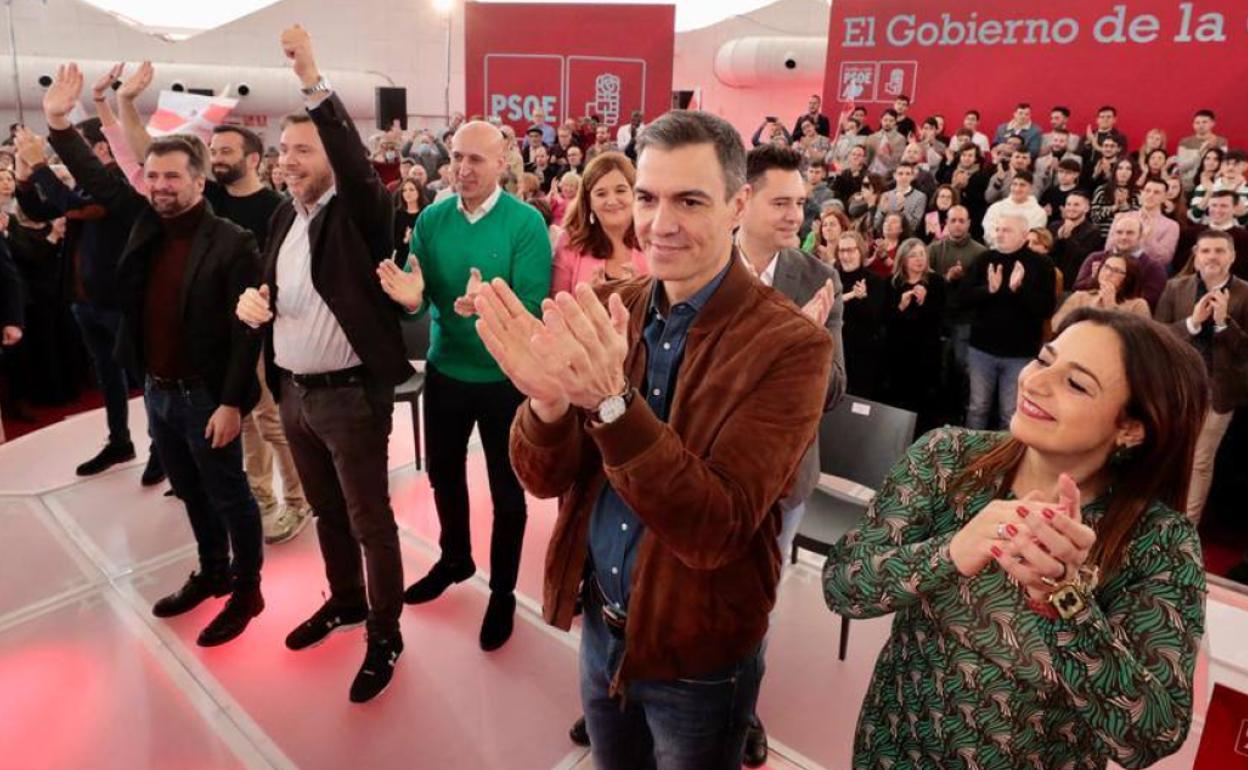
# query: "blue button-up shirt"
614,530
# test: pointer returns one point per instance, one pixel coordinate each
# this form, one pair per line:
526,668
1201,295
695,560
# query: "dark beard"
227,175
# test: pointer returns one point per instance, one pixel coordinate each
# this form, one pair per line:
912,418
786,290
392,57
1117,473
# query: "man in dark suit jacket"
176,281
1208,307
767,243
95,236
336,349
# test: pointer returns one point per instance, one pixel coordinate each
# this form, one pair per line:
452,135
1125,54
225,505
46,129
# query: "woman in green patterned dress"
1049,600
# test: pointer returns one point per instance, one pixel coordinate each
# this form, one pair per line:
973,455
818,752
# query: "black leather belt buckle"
613,620
338,379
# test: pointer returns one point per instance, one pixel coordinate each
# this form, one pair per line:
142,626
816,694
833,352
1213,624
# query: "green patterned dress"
971,678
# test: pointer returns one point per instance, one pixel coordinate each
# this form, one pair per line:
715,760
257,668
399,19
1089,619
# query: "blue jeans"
99,333
684,724
211,482
789,522
992,375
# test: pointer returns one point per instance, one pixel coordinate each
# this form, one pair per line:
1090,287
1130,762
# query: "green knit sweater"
509,242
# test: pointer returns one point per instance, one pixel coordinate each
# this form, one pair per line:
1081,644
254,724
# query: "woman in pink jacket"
598,243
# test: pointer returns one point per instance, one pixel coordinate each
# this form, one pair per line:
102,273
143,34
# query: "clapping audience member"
1207,307
1117,288
1021,203
1017,563
914,309
1191,150
893,230
853,173
1117,195
562,195
408,207
823,238
942,201
1126,239
599,243
1161,234
864,294
904,199
1011,293
1075,237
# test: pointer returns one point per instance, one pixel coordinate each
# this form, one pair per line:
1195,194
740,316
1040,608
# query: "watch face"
611,409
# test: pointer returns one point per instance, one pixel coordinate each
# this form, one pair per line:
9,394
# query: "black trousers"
452,408
339,438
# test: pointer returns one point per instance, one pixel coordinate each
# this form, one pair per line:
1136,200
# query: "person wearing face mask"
1017,563
598,242
1207,307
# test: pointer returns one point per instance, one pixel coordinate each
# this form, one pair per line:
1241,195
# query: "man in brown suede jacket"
670,423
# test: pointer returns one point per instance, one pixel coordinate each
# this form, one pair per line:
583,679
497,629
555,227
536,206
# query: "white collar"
486,206
307,212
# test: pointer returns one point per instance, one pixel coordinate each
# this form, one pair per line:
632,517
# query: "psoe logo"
877,81
857,81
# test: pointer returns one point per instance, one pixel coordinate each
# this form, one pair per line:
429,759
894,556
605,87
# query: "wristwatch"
321,86
613,408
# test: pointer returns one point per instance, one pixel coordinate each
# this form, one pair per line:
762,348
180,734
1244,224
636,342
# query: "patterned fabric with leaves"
971,678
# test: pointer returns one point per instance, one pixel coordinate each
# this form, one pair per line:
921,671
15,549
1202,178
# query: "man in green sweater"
480,233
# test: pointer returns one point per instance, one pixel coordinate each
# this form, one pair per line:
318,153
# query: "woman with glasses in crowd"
1049,595
862,335
1117,288
827,231
599,243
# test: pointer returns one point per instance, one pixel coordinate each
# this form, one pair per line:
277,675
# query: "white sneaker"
286,524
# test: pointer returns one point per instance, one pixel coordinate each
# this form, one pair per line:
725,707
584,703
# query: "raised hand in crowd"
297,46
407,289
820,305
1219,305
10,336
1106,293
102,85
134,86
62,96
466,304
254,307
1016,275
955,272
29,146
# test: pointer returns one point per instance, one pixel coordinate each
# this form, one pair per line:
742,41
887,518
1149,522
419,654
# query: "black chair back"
416,337
861,440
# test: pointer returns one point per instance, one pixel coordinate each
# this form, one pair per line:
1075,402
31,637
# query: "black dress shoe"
244,603
378,668
109,456
193,592
440,578
329,618
500,618
579,733
154,473
755,743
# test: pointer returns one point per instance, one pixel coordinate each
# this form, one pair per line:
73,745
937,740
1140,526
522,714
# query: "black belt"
614,620
183,384
337,379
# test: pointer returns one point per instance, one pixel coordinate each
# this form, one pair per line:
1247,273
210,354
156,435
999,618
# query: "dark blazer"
798,276
99,238
222,262
1229,375
350,236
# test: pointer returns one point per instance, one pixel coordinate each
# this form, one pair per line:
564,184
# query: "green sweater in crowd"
509,242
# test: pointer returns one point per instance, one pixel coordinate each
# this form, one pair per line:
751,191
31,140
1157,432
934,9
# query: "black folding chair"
859,441
416,344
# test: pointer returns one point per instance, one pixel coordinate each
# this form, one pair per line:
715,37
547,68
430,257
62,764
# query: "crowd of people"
648,324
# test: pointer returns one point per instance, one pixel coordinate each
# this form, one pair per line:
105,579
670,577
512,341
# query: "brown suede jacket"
748,401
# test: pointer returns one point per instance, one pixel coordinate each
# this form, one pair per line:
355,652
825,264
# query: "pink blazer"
572,267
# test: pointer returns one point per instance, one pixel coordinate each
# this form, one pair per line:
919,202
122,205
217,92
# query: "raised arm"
359,187
105,188
136,135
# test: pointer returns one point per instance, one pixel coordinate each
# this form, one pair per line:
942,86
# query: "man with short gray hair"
1011,291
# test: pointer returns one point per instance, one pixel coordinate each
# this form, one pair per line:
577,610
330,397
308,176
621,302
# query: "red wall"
615,58
1156,60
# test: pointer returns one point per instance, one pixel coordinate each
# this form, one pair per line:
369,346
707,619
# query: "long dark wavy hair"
1169,395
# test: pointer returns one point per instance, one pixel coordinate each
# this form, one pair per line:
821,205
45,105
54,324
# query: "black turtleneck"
163,351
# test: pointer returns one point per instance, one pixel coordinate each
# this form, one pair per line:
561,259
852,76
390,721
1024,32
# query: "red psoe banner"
1157,61
568,61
